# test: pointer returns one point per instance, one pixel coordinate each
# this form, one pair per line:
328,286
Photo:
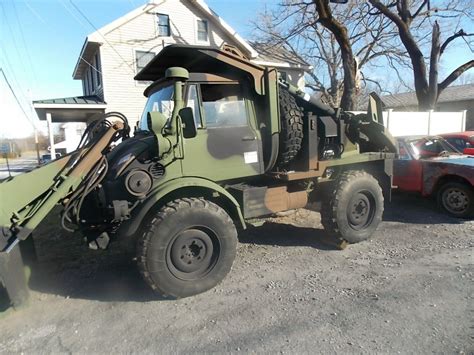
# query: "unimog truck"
222,142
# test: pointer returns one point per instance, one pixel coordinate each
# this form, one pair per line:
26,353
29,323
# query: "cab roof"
201,59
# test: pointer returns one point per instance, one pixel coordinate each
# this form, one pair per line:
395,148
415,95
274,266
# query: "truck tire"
457,199
291,135
353,210
187,248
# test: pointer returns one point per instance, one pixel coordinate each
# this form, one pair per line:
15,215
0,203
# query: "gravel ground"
408,290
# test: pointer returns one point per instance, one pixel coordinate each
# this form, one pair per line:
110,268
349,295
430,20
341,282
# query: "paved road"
408,290
17,166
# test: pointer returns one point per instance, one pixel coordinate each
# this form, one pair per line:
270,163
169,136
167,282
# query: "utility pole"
8,165
51,135
35,130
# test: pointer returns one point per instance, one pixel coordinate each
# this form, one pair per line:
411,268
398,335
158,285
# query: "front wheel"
354,209
457,199
187,248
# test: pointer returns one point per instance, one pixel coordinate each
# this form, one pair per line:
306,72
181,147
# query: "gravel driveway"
408,290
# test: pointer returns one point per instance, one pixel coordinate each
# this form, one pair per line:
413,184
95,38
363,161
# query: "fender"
434,173
131,226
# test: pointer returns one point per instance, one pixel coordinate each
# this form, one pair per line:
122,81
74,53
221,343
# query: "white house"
114,54
72,132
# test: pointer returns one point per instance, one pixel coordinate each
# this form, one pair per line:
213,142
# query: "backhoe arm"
25,200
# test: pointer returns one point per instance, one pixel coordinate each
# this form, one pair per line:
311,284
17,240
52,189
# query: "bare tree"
410,17
340,41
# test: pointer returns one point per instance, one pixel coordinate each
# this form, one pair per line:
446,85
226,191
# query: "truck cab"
227,143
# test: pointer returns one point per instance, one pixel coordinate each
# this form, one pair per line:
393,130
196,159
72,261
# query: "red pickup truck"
433,167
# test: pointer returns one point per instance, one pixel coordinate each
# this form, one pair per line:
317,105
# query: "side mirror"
468,151
189,126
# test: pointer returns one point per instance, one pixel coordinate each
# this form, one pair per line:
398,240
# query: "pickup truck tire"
187,248
291,135
457,199
354,208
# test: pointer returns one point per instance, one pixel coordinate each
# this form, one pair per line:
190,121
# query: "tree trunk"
348,62
419,68
434,64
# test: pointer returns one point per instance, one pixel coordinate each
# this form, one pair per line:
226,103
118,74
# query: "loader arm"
28,198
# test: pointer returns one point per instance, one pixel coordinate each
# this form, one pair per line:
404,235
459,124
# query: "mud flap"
12,275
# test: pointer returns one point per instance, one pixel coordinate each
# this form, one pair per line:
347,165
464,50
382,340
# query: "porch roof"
70,109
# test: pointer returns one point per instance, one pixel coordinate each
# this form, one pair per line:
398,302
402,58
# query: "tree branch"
385,11
460,33
456,73
417,12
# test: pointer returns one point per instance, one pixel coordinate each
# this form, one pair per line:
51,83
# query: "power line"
33,11
5,55
105,39
8,61
12,33
78,20
28,56
16,98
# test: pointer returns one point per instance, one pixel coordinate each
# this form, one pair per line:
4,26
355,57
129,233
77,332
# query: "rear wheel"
354,208
187,248
457,199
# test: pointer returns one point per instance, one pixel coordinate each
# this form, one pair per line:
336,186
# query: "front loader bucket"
13,275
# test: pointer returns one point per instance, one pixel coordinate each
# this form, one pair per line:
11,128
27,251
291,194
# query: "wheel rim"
193,253
455,200
361,210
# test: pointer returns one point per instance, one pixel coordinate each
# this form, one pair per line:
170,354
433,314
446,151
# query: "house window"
91,80
202,31
142,58
163,25
98,70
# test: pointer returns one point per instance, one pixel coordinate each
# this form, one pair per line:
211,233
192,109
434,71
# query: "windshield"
428,147
162,101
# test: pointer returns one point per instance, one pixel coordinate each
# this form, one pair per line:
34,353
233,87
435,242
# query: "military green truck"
222,142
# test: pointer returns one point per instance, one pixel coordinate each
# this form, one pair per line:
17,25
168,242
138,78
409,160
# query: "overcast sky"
41,39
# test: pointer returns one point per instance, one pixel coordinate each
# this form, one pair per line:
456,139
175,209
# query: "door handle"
249,138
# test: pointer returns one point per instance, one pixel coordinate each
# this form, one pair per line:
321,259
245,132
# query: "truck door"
407,170
227,144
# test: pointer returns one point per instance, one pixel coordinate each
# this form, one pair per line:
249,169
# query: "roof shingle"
450,94
278,54
81,100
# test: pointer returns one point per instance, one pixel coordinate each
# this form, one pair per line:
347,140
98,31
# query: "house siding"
120,91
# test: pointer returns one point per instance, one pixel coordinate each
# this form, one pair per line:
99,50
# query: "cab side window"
458,143
223,105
